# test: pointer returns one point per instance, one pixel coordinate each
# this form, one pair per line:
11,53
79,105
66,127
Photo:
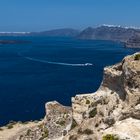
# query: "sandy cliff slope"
111,113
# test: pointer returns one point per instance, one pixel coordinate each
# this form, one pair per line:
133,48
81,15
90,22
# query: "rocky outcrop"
117,99
113,112
58,120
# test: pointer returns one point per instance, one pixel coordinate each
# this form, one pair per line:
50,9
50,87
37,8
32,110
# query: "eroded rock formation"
111,112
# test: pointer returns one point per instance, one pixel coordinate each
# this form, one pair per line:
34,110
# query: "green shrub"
9,126
87,101
92,113
28,132
21,137
45,135
73,137
80,131
137,57
110,137
96,125
12,122
46,131
25,122
62,122
74,124
86,131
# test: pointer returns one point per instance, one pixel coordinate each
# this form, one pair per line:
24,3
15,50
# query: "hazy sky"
38,15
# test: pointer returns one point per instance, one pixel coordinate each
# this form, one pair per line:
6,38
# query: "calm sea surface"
50,68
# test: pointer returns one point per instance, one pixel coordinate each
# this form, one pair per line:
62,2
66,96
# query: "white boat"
88,64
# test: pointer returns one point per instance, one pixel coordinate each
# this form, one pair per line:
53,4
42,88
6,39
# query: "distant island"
128,35
65,32
13,41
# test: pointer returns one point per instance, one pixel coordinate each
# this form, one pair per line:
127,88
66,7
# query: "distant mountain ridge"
129,36
65,32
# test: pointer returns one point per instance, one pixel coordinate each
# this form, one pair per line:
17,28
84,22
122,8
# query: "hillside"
65,32
129,36
111,113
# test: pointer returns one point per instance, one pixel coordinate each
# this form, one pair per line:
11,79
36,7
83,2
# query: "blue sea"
50,68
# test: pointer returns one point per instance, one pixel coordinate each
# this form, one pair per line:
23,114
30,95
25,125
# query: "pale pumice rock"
117,99
113,109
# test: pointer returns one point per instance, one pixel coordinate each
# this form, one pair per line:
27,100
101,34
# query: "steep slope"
116,102
129,36
111,113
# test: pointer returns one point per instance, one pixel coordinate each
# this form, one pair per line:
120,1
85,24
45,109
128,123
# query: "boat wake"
58,63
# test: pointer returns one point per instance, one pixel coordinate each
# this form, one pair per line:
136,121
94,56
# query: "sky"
40,15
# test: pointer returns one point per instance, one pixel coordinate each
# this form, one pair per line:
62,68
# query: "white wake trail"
58,63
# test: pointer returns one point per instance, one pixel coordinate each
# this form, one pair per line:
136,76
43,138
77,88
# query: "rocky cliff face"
111,113
115,104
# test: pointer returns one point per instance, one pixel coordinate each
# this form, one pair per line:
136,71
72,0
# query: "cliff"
111,113
129,36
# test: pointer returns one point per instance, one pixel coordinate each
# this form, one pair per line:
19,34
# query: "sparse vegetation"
110,137
64,132
86,131
41,126
80,131
137,57
21,136
12,122
73,137
46,132
45,135
74,124
28,132
87,101
62,122
92,113
109,120
10,126
96,125
93,104
25,122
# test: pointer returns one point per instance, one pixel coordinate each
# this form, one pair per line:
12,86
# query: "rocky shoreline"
111,113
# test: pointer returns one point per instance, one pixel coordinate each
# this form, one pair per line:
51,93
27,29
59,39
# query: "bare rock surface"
113,112
117,100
